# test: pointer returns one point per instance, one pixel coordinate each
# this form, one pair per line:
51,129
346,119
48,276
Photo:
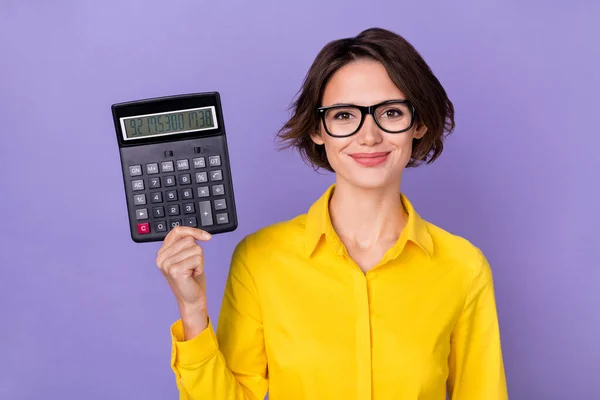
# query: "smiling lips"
370,159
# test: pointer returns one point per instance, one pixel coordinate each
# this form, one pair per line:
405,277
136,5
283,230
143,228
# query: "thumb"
200,277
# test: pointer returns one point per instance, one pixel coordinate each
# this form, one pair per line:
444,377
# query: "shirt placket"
363,320
363,337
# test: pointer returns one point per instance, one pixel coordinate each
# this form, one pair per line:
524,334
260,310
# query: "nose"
369,134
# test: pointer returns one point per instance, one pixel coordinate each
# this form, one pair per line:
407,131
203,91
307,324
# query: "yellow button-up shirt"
300,320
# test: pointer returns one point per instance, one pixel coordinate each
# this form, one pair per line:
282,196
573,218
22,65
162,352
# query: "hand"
181,260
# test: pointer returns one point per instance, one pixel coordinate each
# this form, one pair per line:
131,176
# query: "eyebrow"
354,104
341,104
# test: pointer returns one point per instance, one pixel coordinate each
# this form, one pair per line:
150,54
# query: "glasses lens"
342,121
394,117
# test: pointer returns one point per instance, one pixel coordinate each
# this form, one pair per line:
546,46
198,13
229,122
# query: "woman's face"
372,157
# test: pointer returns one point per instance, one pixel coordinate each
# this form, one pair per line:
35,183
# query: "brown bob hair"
407,70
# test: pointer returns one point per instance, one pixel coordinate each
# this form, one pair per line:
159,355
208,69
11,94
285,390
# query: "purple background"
85,313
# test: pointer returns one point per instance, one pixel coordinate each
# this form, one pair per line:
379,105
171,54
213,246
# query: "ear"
316,137
420,131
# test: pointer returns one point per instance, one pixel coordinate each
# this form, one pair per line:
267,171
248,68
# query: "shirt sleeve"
476,367
231,363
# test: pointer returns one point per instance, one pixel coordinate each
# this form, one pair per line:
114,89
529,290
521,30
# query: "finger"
177,257
180,231
180,244
186,267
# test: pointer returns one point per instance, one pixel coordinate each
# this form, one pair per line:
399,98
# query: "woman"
359,298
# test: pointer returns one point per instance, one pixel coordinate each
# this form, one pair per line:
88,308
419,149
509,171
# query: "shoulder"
280,237
457,252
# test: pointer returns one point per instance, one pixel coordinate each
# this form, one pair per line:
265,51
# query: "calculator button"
143,228
190,221
171,195
185,179
158,212
220,204
216,175
182,165
189,208
205,213
135,170
141,213
170,181
166,166
201,177
160,226
187,194
203,191
152,168
222,218
174,222
139,199
137,184
199,162
214,161
154,182
173,209
218,190
156,197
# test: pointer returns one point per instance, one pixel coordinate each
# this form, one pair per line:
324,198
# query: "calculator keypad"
170,180
203,191
167,166
135,170
220,204
201,177
154,183
187,192
199,162
183,165
138,184
218,190
160,226
152,168
214,161
143,228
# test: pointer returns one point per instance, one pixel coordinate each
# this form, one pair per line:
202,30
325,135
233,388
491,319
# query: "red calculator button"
143,228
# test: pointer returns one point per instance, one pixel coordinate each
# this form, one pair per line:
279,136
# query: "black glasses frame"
364,111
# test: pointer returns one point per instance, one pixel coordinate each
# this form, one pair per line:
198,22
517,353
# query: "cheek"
334,148
403,150
404,144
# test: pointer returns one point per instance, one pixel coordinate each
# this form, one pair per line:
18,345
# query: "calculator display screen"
168,123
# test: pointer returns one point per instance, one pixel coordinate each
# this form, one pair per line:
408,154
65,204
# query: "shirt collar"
318,224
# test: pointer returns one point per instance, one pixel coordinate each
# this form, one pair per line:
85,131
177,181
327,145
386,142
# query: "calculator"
175,165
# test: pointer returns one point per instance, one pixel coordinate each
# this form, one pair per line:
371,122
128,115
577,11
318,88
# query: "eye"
343,116
392,113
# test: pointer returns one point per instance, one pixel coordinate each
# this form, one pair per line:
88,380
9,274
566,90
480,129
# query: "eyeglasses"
392,116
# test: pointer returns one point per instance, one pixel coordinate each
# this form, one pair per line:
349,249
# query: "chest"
381,330
368,259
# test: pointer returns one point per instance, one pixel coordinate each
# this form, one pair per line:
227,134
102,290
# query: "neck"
364,218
